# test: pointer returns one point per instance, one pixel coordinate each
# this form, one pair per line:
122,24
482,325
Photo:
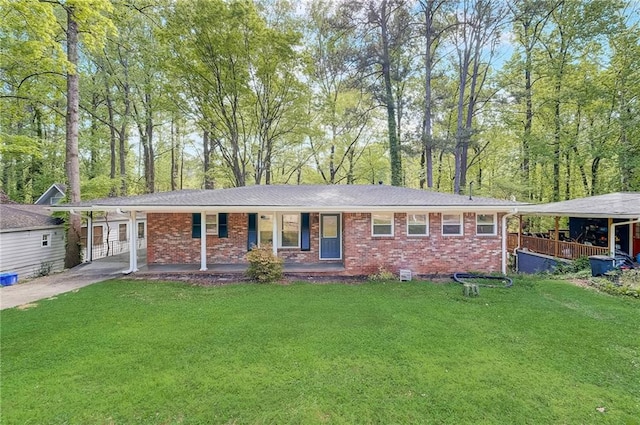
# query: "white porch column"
275,234
89,243
203,241
133,244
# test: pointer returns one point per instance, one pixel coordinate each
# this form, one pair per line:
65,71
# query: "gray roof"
22,217
614,205
311,197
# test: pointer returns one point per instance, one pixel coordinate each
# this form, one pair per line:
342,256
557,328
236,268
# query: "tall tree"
434,27
529,20
343,107
478,30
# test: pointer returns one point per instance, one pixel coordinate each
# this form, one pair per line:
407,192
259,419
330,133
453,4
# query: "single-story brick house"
360,227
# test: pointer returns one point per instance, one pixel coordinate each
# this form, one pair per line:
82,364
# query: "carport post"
275,234
203,241
133,243
89,242
556,248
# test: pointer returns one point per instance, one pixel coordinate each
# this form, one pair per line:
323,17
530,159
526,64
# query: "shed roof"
14,217
614,205
310,197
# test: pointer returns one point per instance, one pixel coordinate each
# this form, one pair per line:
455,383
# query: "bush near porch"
135,352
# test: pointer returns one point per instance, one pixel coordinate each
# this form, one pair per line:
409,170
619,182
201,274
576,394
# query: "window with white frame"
486,224
290,230
122,232
141,230
418,224
382,224
212,224
265,229
97,235
452,224
46,240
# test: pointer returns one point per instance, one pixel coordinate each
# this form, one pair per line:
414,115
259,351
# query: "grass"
137,352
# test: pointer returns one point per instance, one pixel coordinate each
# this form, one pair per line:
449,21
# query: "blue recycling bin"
600,264
8,279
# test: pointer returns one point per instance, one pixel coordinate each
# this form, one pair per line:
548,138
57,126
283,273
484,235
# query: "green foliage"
576,266
264,266
382,275
295,96
98,187
321,353
44,270
619,282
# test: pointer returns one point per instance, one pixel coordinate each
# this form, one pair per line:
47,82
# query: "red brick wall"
433,254
169,239
170,242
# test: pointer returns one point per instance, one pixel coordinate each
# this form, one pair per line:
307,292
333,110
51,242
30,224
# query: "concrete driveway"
68,280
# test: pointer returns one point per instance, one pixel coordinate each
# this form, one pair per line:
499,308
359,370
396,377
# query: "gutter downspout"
504,239
612,235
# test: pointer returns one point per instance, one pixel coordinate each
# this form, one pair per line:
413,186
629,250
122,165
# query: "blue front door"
330,242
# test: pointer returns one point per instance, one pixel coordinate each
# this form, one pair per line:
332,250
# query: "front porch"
330,268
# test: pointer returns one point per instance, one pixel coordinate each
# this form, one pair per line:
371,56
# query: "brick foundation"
170,242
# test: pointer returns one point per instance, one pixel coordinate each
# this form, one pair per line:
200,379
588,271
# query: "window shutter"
252,238
195,225
305,232
222,225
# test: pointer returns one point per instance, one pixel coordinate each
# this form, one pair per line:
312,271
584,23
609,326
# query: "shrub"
575,266
605,285
619,282
264,267
44,270
382,275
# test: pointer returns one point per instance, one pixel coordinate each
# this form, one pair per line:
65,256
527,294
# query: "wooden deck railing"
560,249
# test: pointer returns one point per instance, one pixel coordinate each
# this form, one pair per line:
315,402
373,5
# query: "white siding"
111,243
22,252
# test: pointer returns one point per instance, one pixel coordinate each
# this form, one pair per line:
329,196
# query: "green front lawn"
147,352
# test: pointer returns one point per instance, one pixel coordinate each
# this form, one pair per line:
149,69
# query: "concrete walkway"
68,280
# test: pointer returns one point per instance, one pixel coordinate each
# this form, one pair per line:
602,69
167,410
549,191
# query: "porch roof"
348,198
613,205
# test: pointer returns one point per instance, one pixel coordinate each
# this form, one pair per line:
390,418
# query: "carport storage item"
8,279
600,264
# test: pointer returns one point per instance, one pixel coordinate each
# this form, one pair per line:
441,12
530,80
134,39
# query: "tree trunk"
427,136
394,144
461,137
150,166
72,257
206,144
112,144
528,123
174,163
556,145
